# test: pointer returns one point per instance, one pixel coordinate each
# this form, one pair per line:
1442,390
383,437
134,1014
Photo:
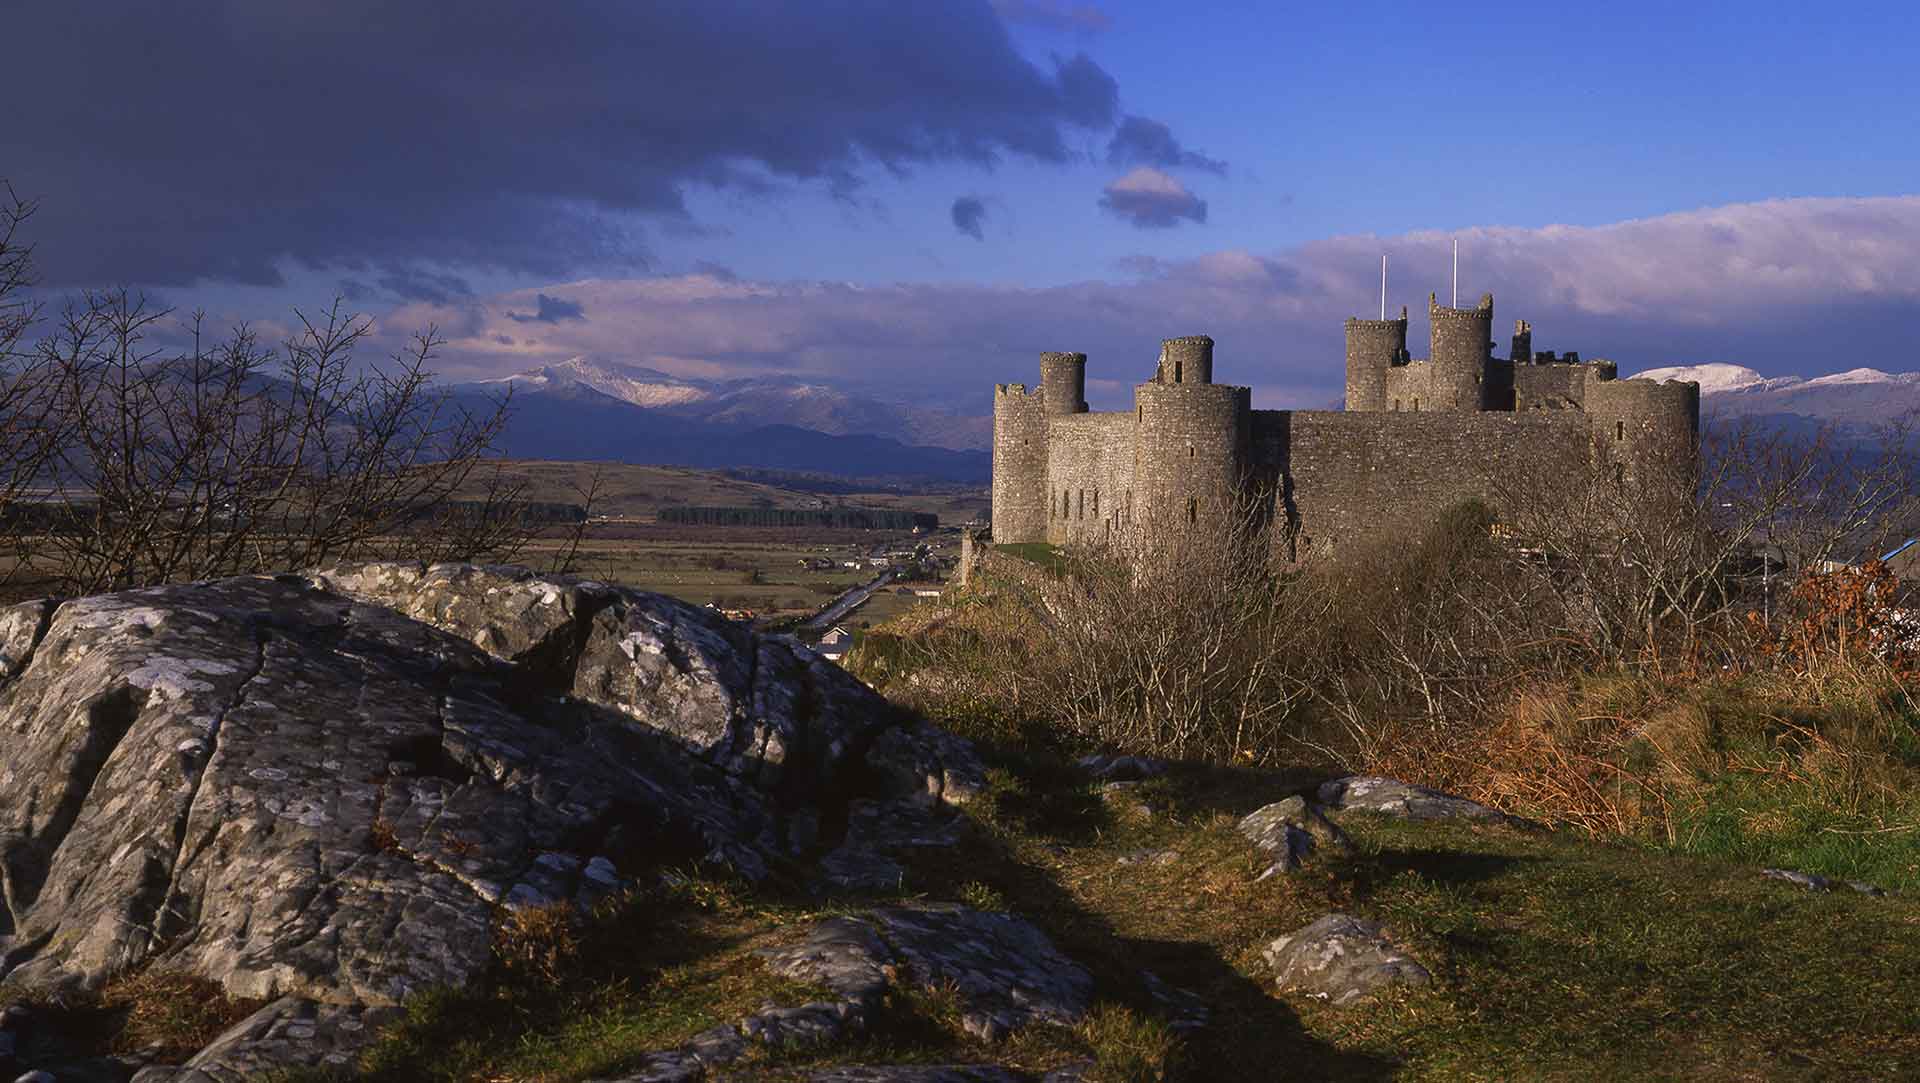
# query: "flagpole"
1456,272
1383,287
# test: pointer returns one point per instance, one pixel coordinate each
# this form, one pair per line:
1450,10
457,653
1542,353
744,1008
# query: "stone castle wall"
1416,438
1350,477
1089,476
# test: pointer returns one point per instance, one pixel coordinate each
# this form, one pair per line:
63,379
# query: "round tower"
1190,448
1460,351
1019,465
1373,347
1185,360
1063,382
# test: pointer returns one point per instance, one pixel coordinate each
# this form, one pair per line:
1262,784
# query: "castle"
1417,436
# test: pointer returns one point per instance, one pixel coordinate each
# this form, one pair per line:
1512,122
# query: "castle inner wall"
1089,475
1353,477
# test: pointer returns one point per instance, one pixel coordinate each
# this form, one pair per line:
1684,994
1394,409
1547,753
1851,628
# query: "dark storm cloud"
418,284
969,216
1149,199
213,141
550,310
1054,15
1140,141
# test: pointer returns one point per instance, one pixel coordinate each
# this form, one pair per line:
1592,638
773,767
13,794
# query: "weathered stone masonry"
1417,436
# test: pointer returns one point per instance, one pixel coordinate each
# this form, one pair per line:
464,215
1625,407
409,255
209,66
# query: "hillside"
756,402
576,422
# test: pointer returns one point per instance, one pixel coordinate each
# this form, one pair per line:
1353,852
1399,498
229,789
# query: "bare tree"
232,457
31,422
1175,639
1663,553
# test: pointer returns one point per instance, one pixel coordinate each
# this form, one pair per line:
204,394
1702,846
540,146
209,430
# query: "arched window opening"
1396,406
1416,404
1082,510
1176,372
1193,510
1096,503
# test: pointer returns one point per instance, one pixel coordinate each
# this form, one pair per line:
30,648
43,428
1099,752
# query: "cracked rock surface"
316,791
760,707
1006,973
1341,959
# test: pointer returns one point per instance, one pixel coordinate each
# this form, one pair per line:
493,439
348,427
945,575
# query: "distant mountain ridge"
566,419
1857,399
757,401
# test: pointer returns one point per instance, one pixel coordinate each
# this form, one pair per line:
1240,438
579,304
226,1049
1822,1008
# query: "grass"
155,1009
1555,956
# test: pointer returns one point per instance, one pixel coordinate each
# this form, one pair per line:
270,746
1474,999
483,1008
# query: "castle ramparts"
1417,435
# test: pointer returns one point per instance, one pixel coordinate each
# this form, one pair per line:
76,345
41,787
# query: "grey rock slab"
201,775
1005,971
1290,831
21,627
670,1067
1107,768
762,707
918,761
878,835
815,1024
1816,882
1341,959
1390,797
844,954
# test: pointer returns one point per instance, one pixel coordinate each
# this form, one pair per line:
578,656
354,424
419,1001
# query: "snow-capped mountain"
629,383
748,403
1857,398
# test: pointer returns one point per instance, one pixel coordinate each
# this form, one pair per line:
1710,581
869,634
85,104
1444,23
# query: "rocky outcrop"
1291,831
1005,972
759,707
317,790
1390,797
1813,881
1341,959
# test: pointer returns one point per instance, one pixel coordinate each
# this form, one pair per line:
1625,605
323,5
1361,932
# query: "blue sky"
916,199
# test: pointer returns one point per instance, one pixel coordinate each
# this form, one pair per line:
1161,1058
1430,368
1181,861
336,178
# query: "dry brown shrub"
538,945
179,1012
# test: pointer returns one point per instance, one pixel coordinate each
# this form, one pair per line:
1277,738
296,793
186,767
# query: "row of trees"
137,448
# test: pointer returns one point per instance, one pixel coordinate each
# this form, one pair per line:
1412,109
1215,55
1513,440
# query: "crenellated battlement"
1418,434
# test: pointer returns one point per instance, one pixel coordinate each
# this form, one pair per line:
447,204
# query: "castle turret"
1191,438
1019,465
1063,382
1522,343
1461,350
1373,347
1185,361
